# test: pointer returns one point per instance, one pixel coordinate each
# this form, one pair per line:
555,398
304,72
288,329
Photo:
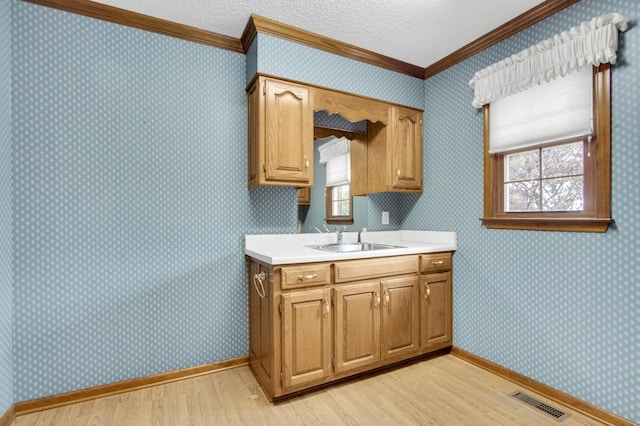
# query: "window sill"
340,221
549,224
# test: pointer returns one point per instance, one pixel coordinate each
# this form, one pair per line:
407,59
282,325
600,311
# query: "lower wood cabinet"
313,323
436,327
306,337
357,336
400,318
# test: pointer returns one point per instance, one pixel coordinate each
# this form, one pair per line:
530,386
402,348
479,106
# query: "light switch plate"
385,218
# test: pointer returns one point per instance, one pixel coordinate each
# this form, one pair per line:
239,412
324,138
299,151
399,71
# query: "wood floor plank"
439,391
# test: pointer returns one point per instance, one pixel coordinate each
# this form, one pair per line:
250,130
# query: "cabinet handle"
438,262
306,164
307,277
376,303
386,297
326,308
257,279
398,172
427,291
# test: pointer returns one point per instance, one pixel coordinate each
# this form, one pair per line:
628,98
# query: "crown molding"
517,24
258,24
143,22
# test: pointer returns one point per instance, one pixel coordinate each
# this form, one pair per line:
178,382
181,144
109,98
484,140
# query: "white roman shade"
554,111
545,93
335,154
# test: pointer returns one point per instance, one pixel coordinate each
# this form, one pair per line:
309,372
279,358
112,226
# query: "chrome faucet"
315,227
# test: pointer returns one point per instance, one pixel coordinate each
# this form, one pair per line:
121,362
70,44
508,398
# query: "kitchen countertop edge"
284,249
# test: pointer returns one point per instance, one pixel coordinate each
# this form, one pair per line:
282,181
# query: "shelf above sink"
351,247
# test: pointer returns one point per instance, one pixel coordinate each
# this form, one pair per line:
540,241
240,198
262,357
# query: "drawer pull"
437,262
307,277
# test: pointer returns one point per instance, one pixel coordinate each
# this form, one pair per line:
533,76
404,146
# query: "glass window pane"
562,160
340,200
563,194
522,166
344,208
522,196
340,208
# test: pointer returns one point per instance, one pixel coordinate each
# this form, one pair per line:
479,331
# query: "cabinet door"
400,317
436,313
288,133
306,337
357,329
304,196
407,148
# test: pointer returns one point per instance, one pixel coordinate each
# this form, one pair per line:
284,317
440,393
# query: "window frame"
596,215
337,220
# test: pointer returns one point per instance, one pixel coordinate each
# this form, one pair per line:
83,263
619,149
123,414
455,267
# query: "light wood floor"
438,391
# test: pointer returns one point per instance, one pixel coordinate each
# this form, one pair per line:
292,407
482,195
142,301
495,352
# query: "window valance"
590,44
334,147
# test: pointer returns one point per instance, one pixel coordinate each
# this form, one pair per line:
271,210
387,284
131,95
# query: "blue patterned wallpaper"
130,202
251,60
298,62
561,308
6,282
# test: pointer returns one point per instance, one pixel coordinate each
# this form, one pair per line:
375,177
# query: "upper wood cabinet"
395,152
280,133
304,196
281,137
351,107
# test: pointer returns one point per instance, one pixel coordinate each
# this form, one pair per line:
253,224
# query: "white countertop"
280,249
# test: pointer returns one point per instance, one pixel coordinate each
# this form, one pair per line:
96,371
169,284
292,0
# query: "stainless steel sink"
349,247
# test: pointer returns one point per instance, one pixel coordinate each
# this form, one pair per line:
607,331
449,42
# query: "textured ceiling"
419,32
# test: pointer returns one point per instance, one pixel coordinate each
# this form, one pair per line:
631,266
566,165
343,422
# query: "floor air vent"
547,409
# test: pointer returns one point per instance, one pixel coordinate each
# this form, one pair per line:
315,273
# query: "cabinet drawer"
354,270
305,276
435,262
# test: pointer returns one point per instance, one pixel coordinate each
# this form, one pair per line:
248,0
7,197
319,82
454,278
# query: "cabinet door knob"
386,297
398,172
376,302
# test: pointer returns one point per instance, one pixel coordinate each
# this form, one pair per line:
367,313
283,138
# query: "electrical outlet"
385,218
